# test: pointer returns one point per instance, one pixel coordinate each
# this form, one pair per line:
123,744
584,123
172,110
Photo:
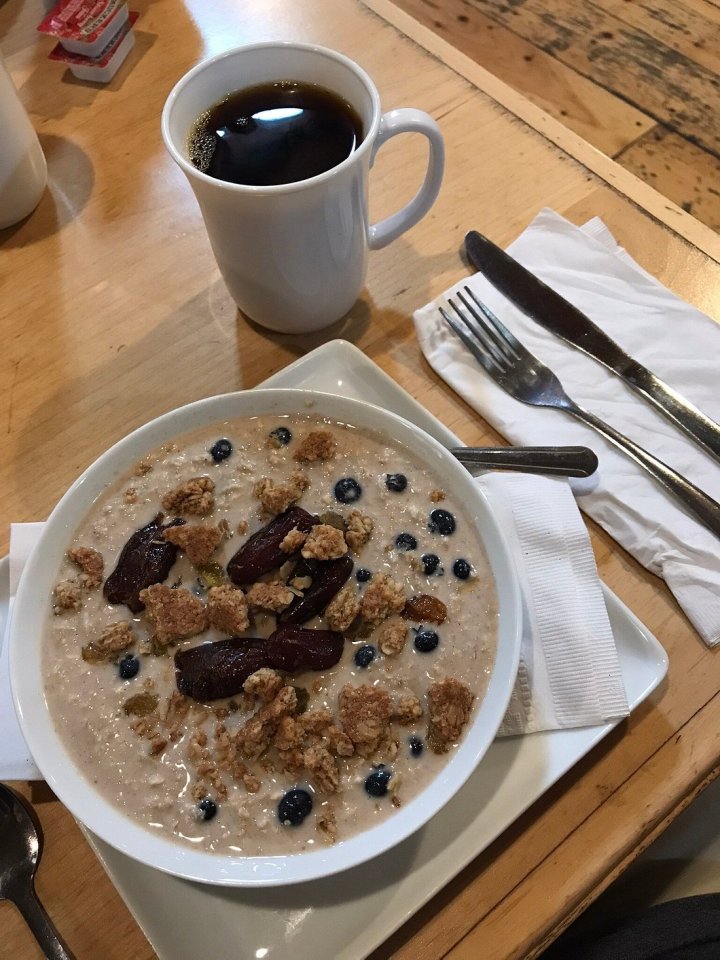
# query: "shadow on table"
70,183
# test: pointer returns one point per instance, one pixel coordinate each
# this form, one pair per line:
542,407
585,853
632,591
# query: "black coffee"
274,133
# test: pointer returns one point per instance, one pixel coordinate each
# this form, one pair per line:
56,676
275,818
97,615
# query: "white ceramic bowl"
71,784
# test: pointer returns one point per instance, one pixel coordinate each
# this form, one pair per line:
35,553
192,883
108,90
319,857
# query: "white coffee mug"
294,256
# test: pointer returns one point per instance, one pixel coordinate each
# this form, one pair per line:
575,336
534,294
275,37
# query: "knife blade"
553,312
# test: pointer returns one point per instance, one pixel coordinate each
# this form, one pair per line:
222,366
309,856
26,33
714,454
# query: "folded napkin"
15,760
673,339
569,673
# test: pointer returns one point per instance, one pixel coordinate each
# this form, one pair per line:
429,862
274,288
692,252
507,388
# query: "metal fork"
527,379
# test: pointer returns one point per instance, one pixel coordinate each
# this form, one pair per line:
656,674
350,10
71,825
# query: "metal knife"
553,312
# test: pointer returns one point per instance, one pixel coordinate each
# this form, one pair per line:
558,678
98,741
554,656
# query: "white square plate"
345,917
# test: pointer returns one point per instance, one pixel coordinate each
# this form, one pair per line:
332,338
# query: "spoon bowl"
21,843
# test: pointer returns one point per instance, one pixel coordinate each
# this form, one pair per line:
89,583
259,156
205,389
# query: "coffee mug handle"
409,120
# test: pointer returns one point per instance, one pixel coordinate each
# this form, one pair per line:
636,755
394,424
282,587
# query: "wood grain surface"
112,311
640,80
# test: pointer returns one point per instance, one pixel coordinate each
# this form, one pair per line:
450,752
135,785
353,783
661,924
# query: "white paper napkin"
673,339
16,763
569,673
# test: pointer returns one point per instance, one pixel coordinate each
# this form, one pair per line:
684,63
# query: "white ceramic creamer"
23,171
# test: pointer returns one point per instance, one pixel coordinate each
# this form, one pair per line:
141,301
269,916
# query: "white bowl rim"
116,828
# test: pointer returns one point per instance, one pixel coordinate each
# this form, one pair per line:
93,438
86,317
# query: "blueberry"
365,655
221,450
128,667
430,562
348,490
462,569
395,482
207,808
441,521
363,575
416,746
376,783
426,640
405,541
294,807
282,435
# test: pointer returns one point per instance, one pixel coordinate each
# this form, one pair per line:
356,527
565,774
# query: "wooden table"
112,311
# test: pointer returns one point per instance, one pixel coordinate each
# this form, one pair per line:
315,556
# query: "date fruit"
261,552
145,559
328,576
214,670
293,648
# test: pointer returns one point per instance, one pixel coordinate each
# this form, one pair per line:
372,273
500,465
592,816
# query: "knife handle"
694,499
551,461
685,415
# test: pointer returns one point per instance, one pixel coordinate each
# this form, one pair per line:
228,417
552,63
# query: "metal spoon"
556,461
20,849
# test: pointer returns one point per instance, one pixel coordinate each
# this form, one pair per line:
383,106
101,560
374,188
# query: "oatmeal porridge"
270,635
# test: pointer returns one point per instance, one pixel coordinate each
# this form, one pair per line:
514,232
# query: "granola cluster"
316,445
324,542
69,594
91,566
383,597
393,635
277,497
194,497
174,614
450,703
342,609
197,541
358,530
273,596
365,713
293,540
111,641
227,609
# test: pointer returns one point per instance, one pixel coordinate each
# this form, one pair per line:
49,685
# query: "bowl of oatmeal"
265,637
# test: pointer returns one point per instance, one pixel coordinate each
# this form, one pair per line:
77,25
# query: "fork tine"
484,329
499,328
484,358
479,332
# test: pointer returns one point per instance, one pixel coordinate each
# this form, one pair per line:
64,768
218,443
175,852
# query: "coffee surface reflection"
274,133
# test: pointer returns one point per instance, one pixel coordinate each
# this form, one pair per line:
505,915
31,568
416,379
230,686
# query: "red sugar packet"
83,20
76,59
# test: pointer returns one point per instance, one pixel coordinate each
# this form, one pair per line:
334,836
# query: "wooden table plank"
686,174
602,118
665,83
691,27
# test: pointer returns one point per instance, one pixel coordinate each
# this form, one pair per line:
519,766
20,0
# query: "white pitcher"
23,171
